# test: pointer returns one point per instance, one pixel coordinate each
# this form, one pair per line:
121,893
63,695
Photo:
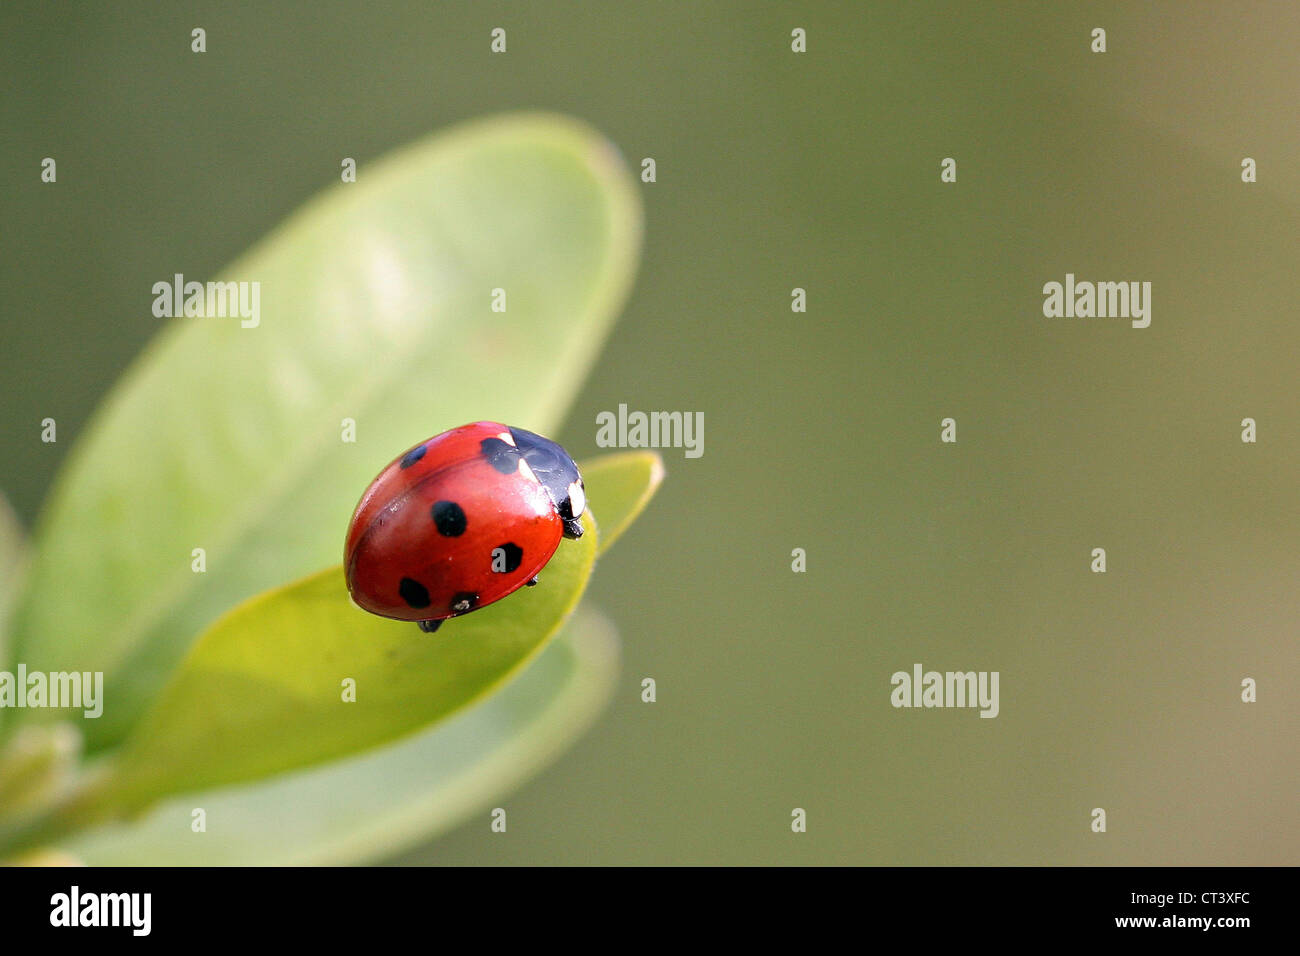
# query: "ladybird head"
555,471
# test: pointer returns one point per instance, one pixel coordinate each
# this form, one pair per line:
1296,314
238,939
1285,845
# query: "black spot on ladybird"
412,456
413,593
513,555
463,602
502,456
449,518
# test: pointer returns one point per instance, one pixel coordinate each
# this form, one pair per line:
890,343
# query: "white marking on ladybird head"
526,470
577,499
506,437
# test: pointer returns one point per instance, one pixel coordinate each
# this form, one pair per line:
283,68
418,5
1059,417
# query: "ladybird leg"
531,583
573,528
429,626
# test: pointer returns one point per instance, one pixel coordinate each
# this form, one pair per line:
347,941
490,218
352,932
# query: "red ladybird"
460,521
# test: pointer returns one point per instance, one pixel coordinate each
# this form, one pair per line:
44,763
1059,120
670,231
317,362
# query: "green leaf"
374,805
375,306
262,691
619,486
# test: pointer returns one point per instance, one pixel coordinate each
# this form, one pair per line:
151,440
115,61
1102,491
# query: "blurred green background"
821,171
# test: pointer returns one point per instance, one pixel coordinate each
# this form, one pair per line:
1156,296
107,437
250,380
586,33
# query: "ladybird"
461,521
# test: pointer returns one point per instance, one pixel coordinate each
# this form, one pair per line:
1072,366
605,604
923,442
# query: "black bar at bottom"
545,907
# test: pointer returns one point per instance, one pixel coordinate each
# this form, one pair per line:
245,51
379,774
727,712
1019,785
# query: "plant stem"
92,802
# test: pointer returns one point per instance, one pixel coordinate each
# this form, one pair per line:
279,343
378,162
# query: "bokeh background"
821,171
